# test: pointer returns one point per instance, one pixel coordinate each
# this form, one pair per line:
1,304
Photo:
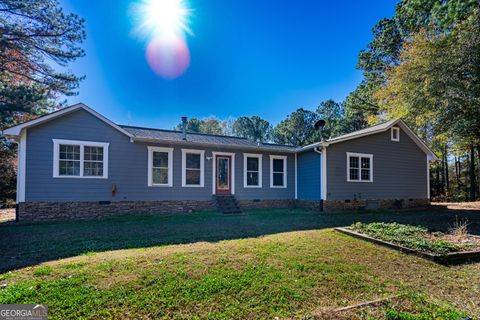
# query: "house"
75,163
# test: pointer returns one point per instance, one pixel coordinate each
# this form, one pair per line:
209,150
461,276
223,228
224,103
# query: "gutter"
212,145
313,146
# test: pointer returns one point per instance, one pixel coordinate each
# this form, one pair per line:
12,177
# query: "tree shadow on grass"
23,244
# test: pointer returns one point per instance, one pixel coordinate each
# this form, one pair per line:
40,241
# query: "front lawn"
288,273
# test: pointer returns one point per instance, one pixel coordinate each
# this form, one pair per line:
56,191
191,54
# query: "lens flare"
168,58
165,24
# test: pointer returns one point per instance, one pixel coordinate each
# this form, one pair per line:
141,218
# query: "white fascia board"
16,130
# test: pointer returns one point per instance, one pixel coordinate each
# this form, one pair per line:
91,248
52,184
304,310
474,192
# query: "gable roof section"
373,130
173,136
16,130
150,134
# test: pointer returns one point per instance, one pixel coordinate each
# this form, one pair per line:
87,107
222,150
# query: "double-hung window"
278,171
193,168
80,159
359,167
252,170
160,167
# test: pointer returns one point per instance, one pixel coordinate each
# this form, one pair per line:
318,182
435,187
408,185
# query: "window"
80,159
93,161
193,168
395,133
69,160
278,171
252,174
359,167
160,167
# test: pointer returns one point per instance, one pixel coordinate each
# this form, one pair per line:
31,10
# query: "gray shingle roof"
199,138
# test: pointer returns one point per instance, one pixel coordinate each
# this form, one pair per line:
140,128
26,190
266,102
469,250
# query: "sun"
164,23
163,18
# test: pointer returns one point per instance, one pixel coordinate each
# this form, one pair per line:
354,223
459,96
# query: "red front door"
223,176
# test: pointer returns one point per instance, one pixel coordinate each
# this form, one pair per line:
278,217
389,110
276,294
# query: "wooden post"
472,173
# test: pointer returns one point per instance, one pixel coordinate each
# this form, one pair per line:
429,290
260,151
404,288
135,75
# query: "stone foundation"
265,204
51,211
57,211
358,205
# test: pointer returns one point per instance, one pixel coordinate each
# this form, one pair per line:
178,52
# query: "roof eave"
214,145
16,130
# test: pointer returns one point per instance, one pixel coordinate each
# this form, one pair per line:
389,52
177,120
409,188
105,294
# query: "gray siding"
399,169
309,175
128,167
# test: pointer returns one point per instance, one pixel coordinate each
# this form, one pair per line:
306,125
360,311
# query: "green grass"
42,271
414,237
265,264
418,308
284,275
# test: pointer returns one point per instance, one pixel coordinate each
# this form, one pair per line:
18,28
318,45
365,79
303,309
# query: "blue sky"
248,57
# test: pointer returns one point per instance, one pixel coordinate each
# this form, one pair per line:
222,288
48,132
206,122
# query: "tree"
334,115
193,125
37,41
253,128
213,125
297,129
389,37
210,125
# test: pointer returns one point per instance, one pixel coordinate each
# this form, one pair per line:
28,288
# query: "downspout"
322,173
296,179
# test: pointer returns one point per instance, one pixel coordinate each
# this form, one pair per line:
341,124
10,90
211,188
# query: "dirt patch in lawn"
464,206
463,243
408,306
7,215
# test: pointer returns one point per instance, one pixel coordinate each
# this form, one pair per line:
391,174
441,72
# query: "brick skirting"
50,211
56,211
265,204
356,205
312,205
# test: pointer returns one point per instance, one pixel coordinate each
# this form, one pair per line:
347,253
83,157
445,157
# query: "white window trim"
82,144
151,150
22,154
202,168
260,171
360,155
214,162
284,158
397,130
